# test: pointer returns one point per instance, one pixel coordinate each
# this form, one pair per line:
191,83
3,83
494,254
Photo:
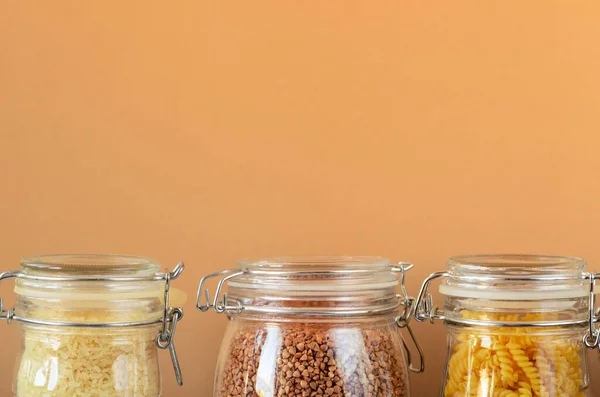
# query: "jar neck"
482,330
514,313
366,302
379,319
45,331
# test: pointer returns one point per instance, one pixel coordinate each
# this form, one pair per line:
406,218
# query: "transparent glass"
313,327
60,361
89,359
515,362
516,326
277,358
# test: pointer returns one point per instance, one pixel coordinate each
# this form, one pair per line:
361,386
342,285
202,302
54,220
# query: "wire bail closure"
403,319
7,315
425,309
166,339
220,303
171,316
219,306
592,338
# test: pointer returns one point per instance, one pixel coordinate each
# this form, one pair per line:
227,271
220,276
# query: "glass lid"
515,265
318,285
86,277
316,273
90,265
515,277
317,264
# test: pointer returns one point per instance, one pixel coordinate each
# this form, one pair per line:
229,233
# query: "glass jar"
517,325
91,325
311,327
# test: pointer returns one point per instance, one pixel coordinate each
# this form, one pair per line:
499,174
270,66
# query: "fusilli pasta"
513,362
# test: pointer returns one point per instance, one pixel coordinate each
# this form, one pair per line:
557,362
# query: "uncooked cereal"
309,360
86,362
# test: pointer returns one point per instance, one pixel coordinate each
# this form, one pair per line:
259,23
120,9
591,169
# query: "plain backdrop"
212,131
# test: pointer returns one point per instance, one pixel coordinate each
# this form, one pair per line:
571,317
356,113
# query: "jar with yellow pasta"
518,325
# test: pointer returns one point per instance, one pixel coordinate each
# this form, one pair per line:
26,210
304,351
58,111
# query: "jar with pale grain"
91,325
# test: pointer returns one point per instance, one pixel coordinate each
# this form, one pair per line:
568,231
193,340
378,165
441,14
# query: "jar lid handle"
403,320
7,314
424,308
421,368
592,338
220,306
166,338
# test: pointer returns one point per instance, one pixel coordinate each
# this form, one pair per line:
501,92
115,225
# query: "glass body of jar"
89,326
62,361
516,326
312,327
275,357
515,362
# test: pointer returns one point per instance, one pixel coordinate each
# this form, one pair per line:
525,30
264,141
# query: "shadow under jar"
91,325
311,327
517,325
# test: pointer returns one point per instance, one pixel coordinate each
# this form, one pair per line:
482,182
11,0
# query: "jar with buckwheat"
307,327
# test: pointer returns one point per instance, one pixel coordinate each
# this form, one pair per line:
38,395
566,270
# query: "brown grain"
315,360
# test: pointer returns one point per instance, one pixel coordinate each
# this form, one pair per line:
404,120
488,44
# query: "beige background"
212,131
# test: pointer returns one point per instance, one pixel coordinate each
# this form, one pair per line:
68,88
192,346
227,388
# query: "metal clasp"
9,314
219,306
424,308
407,301
592,338
166,338
403,319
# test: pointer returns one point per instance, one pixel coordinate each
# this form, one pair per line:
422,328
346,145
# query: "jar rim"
86,264
315,264
317,273
517,265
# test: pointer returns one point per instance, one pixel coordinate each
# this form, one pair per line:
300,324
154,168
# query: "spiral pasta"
513,362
